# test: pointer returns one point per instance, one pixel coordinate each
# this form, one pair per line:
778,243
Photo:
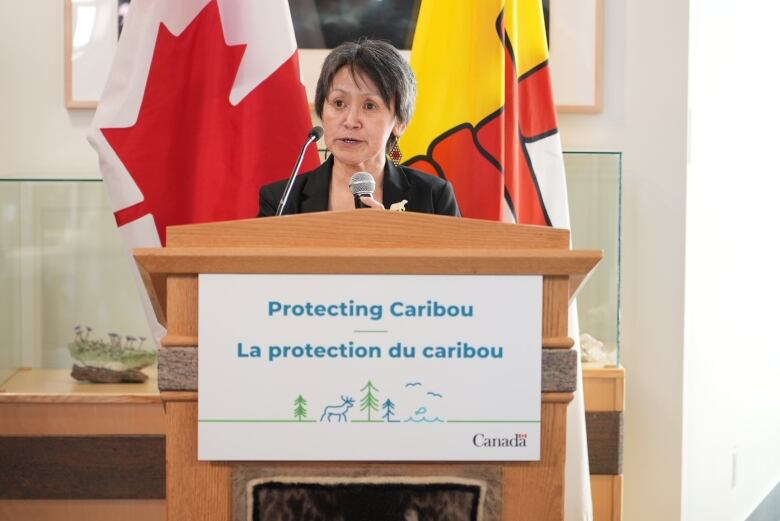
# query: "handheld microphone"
314,135
361,184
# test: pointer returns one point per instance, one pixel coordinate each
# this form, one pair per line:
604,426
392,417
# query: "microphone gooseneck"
314,135
361,184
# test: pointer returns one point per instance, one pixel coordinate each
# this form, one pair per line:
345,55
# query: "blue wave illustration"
424,420
420,417
437,395
413,384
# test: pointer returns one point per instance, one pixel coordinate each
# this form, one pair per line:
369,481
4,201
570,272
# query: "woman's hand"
371,203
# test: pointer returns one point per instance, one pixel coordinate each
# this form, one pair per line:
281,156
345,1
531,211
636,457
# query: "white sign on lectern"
369,367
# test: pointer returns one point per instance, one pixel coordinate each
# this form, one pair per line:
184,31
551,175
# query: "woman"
365,99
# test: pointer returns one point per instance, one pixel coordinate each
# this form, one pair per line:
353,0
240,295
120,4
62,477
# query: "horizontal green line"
493,421
257,421
368,421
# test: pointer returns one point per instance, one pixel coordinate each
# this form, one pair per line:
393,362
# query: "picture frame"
576,56
576,53
91,35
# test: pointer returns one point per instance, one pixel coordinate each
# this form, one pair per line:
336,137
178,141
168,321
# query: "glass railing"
62,263
594,185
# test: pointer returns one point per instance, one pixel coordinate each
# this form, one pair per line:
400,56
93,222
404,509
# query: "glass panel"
594,185
10,280
68,267
62,263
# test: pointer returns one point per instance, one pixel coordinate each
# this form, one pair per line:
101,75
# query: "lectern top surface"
368,228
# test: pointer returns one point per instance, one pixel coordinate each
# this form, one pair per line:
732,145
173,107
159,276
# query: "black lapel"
395,186
315,193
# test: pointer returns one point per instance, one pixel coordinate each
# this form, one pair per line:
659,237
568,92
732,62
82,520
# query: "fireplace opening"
364,500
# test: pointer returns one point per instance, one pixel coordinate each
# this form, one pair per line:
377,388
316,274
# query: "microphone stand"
314,135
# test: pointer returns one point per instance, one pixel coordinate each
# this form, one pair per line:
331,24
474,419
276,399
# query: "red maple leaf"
194,156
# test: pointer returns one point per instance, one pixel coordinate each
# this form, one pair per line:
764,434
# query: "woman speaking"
365,99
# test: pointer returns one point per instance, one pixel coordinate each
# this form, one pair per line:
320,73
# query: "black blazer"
425,193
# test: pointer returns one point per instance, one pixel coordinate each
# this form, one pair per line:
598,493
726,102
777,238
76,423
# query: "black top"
425,193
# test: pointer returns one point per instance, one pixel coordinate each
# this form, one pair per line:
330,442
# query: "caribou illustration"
338,410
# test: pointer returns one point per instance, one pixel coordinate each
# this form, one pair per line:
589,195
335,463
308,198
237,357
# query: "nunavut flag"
203,105
485,120
485,117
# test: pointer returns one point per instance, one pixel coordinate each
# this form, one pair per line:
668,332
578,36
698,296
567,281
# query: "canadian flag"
203,105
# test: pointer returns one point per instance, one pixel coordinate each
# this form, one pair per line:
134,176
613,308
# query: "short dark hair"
381,62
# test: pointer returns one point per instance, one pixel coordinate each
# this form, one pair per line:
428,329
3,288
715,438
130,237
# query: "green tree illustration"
369,402
300,408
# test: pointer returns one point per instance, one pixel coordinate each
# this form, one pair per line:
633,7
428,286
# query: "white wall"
644,116
38,136
732,362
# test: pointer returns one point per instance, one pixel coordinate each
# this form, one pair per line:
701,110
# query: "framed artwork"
574,31
324,24
576,39
575,35
92,28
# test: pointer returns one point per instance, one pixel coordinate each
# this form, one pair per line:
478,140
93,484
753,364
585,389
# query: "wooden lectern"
360,242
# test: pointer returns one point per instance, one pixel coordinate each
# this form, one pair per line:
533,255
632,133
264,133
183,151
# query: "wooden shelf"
48,402
56,385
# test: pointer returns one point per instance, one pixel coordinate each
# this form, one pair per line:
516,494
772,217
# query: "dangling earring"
395,152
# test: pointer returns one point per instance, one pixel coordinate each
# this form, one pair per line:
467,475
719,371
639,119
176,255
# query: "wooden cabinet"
604,403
